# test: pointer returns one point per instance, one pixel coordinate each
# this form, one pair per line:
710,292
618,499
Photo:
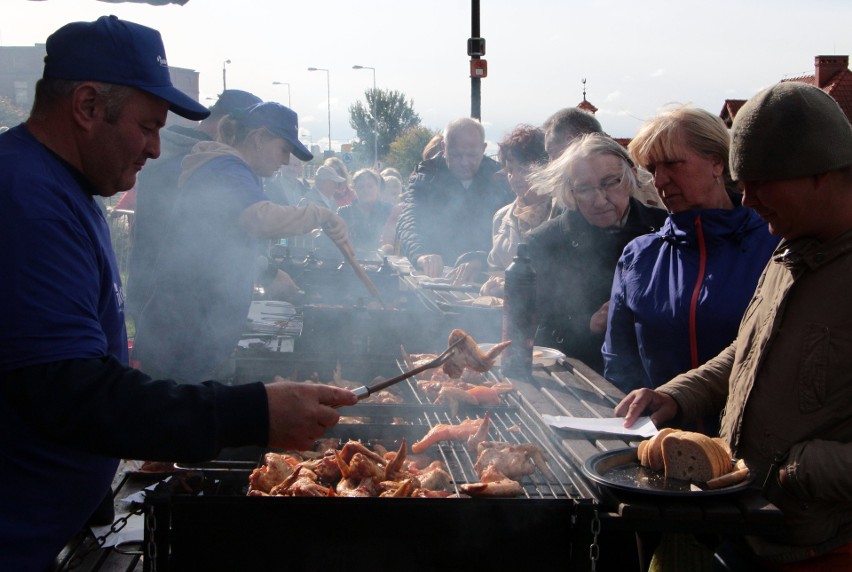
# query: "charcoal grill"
538,528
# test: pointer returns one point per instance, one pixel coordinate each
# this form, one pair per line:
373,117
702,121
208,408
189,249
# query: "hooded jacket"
678,295
442,217
204,280
786,388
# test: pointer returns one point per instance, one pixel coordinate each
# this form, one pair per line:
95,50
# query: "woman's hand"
335,228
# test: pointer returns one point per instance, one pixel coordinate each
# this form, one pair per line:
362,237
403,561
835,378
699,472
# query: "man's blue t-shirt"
60,289
60,298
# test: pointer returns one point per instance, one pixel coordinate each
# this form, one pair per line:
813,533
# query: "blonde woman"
679,295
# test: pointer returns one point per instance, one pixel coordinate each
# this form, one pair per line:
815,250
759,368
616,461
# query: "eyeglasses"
606,184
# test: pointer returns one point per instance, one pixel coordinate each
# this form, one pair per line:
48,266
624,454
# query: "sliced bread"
654,449
694,457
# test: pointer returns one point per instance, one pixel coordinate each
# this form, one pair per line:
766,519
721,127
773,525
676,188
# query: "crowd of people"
700,270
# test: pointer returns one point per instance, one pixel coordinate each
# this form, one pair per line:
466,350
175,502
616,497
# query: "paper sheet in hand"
643,426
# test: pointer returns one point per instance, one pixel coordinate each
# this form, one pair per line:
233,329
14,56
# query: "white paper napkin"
643,426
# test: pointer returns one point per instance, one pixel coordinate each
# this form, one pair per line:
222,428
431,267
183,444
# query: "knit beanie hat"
788,131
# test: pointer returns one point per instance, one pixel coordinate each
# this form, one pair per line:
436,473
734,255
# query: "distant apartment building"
21,67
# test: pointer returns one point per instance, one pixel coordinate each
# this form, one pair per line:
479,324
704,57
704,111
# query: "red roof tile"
839,87
729,111
585,105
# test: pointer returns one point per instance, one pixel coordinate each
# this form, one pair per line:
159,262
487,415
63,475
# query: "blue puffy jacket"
678,295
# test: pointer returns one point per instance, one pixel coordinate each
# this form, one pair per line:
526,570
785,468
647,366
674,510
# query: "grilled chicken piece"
493,483
325,467
444,432
360,467
453,397
275,469
302,483
468,355
384,397
398,489
429,494
474,440
513,461
356,488
350,448
396,464
434,477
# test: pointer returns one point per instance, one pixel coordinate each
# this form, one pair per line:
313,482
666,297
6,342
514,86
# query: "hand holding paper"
643,427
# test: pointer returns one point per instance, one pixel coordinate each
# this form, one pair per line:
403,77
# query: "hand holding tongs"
364,392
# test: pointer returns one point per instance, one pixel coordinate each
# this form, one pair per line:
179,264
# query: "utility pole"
478,66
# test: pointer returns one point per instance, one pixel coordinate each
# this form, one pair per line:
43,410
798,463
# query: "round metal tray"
620,469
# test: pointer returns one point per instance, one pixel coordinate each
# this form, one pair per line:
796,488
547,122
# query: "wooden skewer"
349,255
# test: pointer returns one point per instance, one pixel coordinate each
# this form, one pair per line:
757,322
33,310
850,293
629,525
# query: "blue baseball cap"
232,99
279,119
119,52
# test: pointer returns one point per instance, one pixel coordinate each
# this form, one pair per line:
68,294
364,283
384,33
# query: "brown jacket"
786,387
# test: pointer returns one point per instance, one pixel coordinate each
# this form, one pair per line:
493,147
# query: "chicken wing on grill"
493,483
445,432
275,469
513,461
468,355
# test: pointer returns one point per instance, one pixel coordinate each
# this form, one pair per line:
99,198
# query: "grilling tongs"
364,392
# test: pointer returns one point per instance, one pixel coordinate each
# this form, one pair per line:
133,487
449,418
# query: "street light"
288,91
328,87
373,113
225,75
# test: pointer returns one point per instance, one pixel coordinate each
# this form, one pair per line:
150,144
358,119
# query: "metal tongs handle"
363,392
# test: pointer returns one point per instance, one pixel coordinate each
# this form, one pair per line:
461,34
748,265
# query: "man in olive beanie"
784,386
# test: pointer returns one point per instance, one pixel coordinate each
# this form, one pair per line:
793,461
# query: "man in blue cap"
70,407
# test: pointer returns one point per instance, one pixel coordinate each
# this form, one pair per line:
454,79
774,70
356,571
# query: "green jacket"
786,388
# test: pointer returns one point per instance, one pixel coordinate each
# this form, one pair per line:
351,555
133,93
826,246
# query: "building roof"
831,74
839,87
586,106
729,111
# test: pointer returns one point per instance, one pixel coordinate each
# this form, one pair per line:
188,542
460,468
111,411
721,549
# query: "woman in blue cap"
205,278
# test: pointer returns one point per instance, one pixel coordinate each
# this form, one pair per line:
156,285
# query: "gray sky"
636,55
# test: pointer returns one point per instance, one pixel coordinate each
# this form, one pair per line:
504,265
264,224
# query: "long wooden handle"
349,255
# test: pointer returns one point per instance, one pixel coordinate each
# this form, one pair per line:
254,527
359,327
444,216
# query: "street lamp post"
373,113
288,91
225,74
328,87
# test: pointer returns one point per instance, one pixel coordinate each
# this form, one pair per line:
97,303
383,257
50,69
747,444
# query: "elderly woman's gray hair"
555,180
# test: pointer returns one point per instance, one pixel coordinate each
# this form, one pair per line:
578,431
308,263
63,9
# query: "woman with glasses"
574,255
678,295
